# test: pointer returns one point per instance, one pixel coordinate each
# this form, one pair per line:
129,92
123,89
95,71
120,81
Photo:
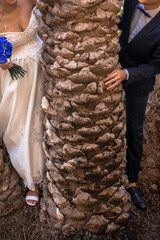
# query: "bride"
20,101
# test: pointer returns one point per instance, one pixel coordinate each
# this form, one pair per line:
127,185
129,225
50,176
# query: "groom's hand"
115,78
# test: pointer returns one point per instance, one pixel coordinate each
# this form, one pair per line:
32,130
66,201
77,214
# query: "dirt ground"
142,225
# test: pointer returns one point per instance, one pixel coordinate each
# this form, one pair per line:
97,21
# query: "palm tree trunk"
84,123
150,174
10,190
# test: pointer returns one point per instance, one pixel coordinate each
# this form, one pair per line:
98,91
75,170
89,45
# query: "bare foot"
34,194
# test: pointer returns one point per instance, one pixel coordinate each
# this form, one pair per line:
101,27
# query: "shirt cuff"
127,73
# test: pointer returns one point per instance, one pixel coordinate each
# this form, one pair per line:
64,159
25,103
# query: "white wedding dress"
20,106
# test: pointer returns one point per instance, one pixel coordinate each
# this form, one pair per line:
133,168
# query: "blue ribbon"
143,10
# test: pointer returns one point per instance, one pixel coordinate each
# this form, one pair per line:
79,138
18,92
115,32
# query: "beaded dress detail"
20,106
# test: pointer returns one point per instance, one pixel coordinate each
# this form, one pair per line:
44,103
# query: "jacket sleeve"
146,70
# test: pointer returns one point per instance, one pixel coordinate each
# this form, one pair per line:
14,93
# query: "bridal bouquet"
5,53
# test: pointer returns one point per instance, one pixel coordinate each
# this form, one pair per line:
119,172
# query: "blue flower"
1,50
3,59
8,53
3,40
9,45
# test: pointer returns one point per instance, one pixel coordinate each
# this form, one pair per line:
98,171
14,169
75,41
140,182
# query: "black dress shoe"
136,199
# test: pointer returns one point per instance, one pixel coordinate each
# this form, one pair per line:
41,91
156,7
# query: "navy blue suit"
141,57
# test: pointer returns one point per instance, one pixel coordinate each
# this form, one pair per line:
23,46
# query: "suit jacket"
141,56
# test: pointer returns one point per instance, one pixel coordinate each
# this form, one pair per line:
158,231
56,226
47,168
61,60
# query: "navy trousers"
135,112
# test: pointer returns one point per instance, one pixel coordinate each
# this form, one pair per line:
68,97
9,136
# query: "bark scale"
10,190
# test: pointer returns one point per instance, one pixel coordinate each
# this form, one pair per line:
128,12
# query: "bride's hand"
6,66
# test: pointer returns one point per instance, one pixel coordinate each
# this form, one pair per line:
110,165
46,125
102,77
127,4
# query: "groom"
140,60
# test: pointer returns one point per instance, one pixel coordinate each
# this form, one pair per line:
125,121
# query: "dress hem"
31,186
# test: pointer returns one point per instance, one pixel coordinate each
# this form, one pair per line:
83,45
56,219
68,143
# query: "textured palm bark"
10,191
84,124
150,174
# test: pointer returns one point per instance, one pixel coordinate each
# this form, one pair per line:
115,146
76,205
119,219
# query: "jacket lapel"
148,28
